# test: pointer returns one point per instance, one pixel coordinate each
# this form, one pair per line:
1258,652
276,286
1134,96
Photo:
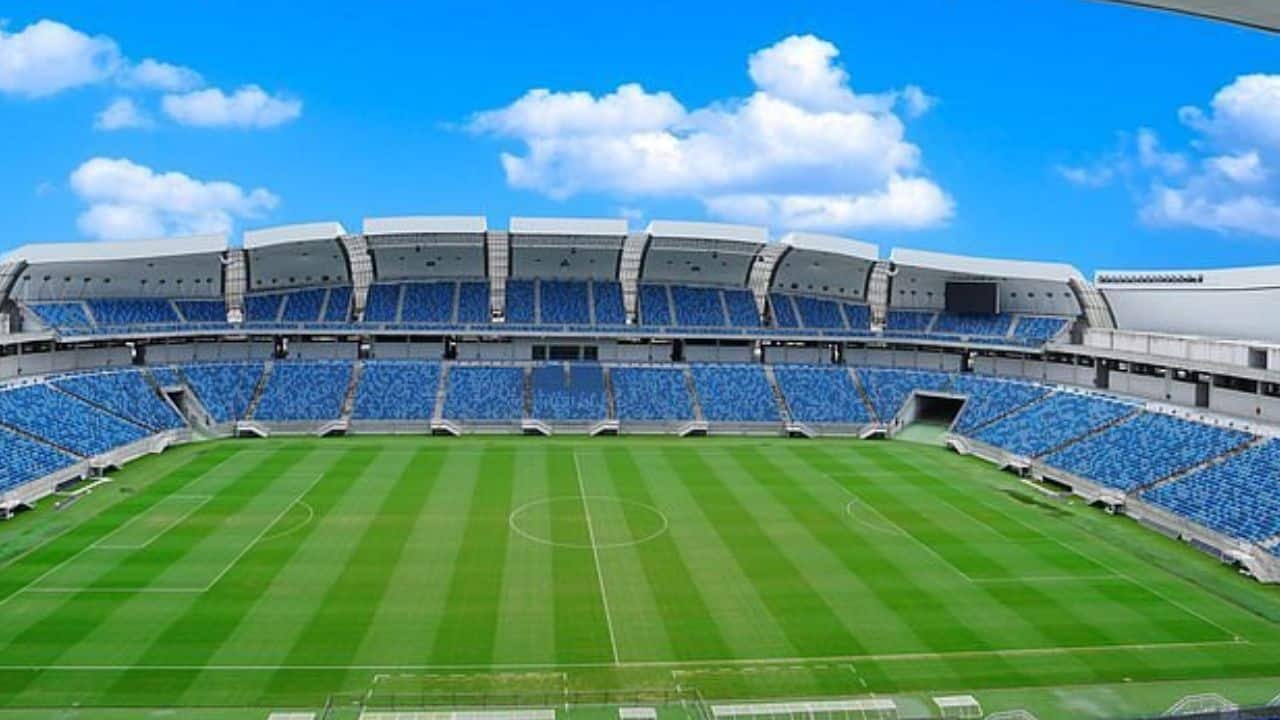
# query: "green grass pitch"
275,573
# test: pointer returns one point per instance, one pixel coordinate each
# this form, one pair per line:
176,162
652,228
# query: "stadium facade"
1149,392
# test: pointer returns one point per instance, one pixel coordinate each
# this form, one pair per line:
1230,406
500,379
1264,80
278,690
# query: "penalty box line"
689,667
178,590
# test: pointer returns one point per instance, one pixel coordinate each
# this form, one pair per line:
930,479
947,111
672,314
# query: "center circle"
597,513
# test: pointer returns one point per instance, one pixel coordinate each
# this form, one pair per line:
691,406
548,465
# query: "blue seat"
818,313
132,311
337,307
65,421
125,393
698,306
26,460
859,316
784,313
1239,496
655,307
478,392
521,307
734,393
743,312
309,390
1039,328
263,307
224,389
1051,423
910,321
383,303
427,303
607,296
396,390
889,388
995,325
564,302
573,392
70,315
202,311
473,302
821,394
990,398
651,394
303,305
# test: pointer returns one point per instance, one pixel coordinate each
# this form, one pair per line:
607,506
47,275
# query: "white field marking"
311,514
28,587
595,553
100,544
677,666
894,531
208,586
22,555
975,580
515,526
1113,569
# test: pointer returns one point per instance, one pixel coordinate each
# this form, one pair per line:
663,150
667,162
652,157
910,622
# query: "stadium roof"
1261,14
119,250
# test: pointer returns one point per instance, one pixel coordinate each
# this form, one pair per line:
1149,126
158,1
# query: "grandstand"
441,326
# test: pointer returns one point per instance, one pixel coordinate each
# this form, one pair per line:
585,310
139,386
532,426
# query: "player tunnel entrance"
928,415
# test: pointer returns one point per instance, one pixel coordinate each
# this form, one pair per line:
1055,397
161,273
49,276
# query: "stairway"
610,403
258,389
693,396
349,400
783,410
437,413
862,393
1096,431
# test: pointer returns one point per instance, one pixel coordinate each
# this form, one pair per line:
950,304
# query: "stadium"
577,469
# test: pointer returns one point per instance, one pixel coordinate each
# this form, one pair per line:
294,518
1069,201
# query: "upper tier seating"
263,307
132,311
608,301
572,392
303,305
990,398
473,302
651,393
61,314
1239,496
821,394
427,303
698,306
202,311
383,303
224,389
304,390
784,313
994,325
734,393
1169,445
484,393
910,321
126,393
396,390
521,304
655,307
818,313
742,308
26,460
859,316
165,376
888,389
338,306
564,302
65,421
1039,328
1051,423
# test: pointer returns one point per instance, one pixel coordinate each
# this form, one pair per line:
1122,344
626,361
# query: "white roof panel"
426,225
832,244
612,227
126,250
707,231
284,234
986,267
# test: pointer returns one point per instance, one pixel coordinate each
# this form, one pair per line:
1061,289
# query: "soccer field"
275,573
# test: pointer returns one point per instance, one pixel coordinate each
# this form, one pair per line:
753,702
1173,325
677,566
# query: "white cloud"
248,107
122,114
1221,181
1090,177
47,57
803,151
151,74
127,200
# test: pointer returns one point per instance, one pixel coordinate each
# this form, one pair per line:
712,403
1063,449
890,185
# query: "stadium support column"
878,294
633,249
235,279
761,277
360,266
498,252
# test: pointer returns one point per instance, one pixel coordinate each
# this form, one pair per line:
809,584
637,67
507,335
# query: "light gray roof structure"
1260,14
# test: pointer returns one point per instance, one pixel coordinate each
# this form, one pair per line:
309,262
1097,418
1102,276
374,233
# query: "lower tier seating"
224,389
1239,496
888,389
126,393
734,393
476,392
1169,445
821,394
573,392
396,390
651,394
26,460
1051,423
987,399
65,421
304,390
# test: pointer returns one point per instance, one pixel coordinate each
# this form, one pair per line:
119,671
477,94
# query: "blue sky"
1056,129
